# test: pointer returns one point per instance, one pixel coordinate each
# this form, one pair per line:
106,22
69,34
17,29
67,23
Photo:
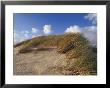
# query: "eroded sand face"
39,62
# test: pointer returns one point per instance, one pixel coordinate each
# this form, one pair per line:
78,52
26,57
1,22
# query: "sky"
29,25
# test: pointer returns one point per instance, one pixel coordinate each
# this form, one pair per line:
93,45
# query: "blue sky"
28,25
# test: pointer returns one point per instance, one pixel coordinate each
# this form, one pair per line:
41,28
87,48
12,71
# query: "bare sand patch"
38,62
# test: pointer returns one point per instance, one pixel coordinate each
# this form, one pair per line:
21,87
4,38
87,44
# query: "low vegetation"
74,46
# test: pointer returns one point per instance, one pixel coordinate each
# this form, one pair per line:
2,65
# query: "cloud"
27,32
73,29
89,32
26,35
21,36
15,34
34,30
24,32
92,17
33,36
47,29
16,37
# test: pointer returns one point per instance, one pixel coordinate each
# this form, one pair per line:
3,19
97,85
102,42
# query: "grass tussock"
74,46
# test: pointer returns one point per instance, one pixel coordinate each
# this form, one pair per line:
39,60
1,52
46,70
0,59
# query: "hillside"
72,54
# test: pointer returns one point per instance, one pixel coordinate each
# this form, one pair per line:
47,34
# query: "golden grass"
75,46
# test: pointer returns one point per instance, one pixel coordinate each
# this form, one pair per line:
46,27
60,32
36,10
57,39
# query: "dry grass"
74,46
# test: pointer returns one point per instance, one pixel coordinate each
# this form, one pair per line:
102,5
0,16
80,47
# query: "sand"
44,62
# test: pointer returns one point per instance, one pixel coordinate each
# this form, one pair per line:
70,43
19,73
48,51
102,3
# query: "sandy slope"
38,62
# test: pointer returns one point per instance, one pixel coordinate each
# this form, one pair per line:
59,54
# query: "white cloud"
34,30
26,35
90,32
92,17
47,29
16,37
15,34
20,36
73,29
33,36
21,40
27,32
24,32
